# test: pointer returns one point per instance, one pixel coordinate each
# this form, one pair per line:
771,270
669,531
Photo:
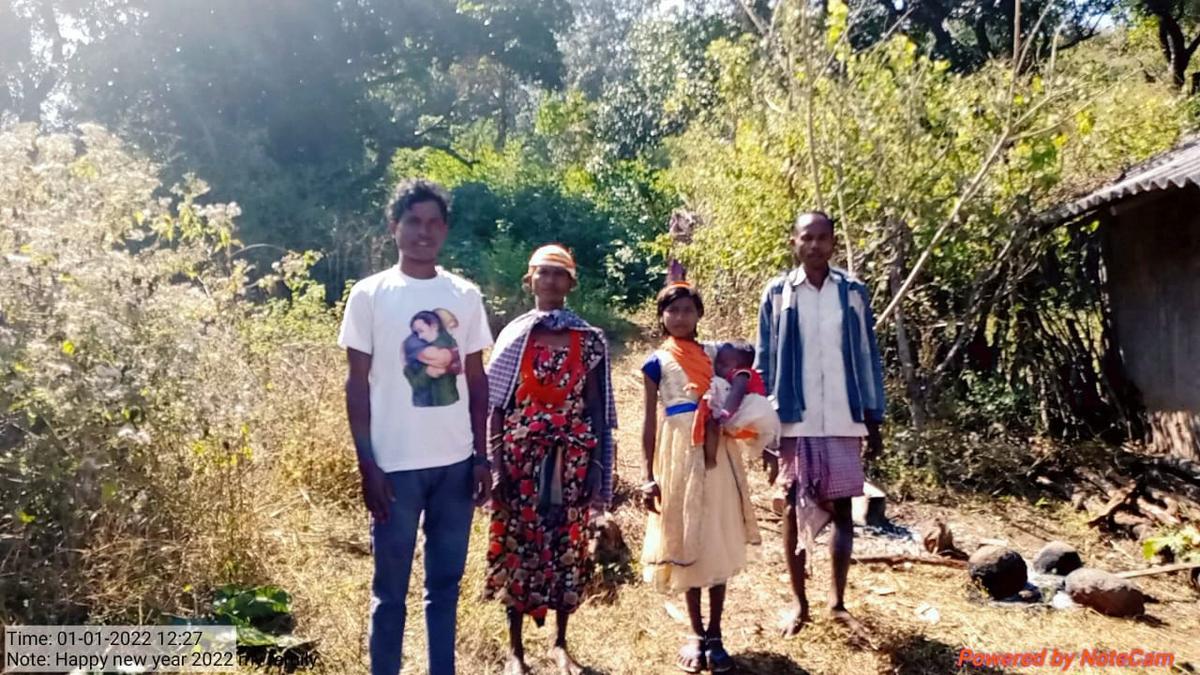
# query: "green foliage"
988,401
548,186
969,33
1182,544
293,113
664,84
903,151
943,459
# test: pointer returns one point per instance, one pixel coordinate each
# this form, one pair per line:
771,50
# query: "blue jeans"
444,494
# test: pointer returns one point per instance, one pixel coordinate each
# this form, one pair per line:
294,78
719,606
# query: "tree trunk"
982,38
502,125
1172,40
908,366
1016,49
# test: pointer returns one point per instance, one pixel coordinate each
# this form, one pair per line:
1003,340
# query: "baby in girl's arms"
737,399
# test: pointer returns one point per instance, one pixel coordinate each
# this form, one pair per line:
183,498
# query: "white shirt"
419,333
826,401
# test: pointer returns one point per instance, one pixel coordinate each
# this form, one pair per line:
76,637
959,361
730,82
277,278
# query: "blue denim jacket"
780,354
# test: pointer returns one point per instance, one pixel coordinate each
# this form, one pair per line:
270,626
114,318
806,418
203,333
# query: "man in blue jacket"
819,358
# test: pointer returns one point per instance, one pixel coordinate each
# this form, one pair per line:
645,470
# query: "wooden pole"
900,559
1162,569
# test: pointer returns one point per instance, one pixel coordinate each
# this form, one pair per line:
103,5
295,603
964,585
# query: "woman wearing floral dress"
551,442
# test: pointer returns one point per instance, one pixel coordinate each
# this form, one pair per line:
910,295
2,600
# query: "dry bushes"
135,436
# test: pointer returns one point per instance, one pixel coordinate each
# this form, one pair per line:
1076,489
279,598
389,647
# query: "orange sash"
698,367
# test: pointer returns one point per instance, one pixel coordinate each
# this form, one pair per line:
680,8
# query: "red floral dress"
538,542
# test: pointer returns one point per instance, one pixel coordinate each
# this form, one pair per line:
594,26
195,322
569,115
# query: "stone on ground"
935,536
1105,592
1000,571
1058,558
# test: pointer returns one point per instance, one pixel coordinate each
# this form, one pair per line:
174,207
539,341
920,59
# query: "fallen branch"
1182,467
1157,513
1119,500
1162,569
901,558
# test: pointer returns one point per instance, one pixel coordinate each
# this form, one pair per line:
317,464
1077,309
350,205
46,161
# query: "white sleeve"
477,335
356,330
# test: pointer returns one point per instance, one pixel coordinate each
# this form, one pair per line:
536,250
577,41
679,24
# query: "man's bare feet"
565,662
795,620
859,635
516,665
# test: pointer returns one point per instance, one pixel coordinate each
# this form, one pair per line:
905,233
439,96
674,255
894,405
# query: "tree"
36,52
643,67
594,49
933,176
293,109
966,33
1172,16
969,33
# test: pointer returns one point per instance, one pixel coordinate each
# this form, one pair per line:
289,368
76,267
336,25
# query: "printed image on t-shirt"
431,360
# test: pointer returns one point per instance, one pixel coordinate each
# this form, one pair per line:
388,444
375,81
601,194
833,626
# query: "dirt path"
324,559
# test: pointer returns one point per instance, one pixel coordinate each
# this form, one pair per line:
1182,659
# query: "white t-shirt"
419,333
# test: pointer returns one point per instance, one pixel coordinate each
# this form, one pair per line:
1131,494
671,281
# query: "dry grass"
321,554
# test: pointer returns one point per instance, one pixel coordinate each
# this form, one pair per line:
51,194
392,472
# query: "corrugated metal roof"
1175,168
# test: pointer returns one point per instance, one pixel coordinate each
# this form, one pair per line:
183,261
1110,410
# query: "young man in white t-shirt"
417,396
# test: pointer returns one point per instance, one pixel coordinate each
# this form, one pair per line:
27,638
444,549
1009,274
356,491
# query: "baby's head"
733,356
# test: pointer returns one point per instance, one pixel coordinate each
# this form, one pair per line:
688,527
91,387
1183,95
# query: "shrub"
128,451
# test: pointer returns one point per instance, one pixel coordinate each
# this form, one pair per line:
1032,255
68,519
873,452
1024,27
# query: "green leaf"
1149,548
250,636
241,605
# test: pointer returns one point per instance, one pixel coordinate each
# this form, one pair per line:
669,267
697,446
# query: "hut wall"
1153,262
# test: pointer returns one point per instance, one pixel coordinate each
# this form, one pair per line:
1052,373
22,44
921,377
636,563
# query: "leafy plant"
262,615
1181,544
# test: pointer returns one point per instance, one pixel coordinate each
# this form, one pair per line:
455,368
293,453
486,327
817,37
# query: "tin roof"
1174,169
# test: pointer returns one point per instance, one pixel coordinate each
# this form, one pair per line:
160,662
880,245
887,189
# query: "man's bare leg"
841,548
798,616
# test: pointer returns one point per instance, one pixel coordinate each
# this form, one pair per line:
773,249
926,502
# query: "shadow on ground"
766,663
919,655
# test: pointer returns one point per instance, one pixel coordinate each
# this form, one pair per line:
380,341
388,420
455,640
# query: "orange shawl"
698,367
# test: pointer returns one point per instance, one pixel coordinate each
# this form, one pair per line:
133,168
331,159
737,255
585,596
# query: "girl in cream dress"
700,520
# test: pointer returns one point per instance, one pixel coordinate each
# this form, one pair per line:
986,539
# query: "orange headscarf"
698,367
553,255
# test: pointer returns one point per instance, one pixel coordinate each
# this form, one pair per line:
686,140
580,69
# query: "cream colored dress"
705,522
